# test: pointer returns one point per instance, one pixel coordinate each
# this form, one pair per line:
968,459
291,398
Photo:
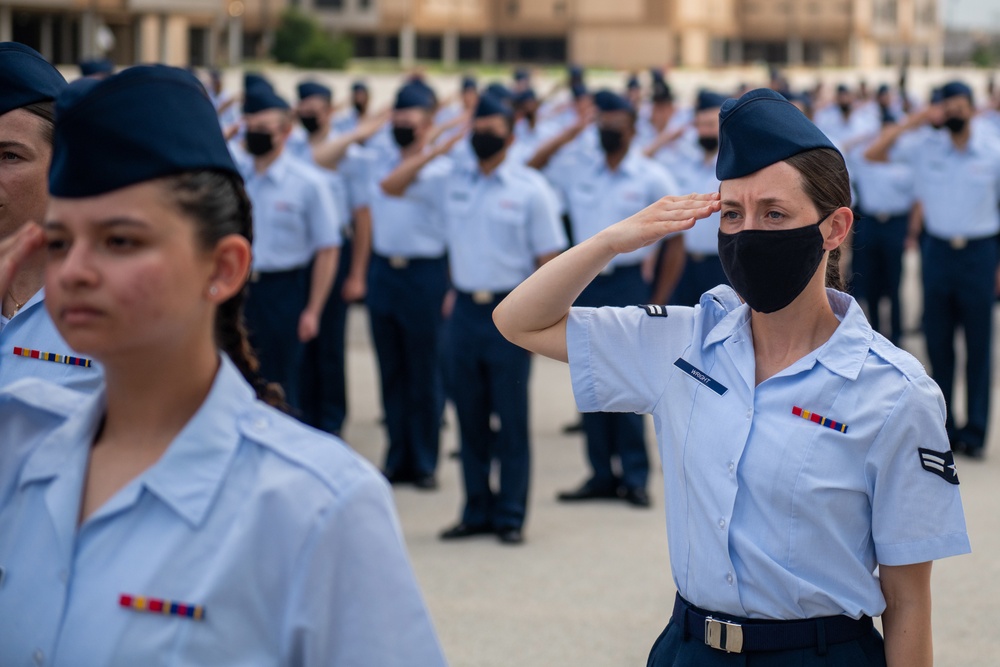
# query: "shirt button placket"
38,656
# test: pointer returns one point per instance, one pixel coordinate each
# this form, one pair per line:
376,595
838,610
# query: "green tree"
301,41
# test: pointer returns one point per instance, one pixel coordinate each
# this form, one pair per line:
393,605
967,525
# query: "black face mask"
709,144
486,144
769,269
259,143
404,136
955,125
530,116
311,123
360,107
845,108
612,141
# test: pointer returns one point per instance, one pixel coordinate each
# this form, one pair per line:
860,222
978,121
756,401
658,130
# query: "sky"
977,14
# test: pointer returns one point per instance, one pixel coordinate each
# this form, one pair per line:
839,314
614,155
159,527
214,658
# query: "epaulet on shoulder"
325,456
899,359
43,396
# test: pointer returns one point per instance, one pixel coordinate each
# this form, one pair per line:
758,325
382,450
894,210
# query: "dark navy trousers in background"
274,303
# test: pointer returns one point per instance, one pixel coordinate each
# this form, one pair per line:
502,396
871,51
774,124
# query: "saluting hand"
16,249
668,215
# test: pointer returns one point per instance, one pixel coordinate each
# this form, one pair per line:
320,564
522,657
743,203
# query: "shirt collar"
844,353
189,474
275,172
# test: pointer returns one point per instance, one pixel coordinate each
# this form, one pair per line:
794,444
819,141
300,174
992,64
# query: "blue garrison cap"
709,100
575,73
147,122
955,89
936,96
499,91
842,88
97,66
606,100
412,96
259,97
633,83
760,129
312,88
26,77
526,95
661,91
578,90
521,74
469,83
490,105
359,86
882,90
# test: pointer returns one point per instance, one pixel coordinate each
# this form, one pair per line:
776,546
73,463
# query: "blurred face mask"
486,144
259,143
612,140
403,135
955,124
709,144
310,123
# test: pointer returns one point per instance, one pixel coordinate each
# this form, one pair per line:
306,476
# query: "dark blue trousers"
490,376
324,374
616,434
274,303
878,267
404,308
959,292
701,273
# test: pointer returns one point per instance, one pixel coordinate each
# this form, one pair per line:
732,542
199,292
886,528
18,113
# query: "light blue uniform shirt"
699,176
410,226
293,213
33,329
298,144
959,190
597,197
882,187
496,226
770,515
287,539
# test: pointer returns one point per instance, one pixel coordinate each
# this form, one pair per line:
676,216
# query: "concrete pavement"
592,587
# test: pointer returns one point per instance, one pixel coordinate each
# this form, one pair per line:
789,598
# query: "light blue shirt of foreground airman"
32,329
496,225
287,539
770,515
294,214
410,226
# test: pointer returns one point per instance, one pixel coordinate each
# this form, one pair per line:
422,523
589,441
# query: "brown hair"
826,182
218,204
47,112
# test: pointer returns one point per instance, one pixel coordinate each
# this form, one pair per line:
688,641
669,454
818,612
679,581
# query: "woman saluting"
174,518
801,451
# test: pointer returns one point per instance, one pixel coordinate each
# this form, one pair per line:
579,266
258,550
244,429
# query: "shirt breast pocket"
288,217
508,229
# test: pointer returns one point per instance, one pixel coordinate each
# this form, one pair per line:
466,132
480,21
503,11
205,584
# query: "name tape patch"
701,376
941,464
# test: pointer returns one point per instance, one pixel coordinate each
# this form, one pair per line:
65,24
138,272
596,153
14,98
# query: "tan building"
620,33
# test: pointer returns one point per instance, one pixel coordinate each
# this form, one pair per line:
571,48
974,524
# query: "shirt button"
38,657
722,523
732,466
729,578
260,424
749,412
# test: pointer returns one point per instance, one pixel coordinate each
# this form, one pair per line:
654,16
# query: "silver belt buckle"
399,262
697,256
723,635
958,242
255,276
482,297
882,217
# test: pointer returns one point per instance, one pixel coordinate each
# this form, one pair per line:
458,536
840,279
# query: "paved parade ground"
591,586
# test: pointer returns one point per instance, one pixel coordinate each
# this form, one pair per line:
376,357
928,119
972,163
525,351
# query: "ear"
231,258
840,222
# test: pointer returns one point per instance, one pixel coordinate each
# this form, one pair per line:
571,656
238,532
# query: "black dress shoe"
635,496
399,476
975,453
575,427
510,536
425,482
461,530
588,491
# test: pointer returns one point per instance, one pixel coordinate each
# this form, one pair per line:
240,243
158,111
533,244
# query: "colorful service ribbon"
817,419
165,607
53,357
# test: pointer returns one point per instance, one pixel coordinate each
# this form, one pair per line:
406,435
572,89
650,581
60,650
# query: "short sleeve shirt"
782,497
285,539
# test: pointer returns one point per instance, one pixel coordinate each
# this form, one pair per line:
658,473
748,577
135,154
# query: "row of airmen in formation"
377,206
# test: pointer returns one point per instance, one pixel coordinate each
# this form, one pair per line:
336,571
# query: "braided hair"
218,204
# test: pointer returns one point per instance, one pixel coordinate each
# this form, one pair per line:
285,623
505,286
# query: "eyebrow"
765,201
6,145
109,223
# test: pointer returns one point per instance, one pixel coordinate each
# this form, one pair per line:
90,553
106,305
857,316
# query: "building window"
364,5
886,11
329,4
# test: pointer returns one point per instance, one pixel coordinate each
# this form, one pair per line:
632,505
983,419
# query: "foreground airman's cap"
147,122
413,96
491,105
26,77
760,129
312,89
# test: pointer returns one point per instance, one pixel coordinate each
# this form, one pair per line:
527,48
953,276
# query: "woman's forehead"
776,182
